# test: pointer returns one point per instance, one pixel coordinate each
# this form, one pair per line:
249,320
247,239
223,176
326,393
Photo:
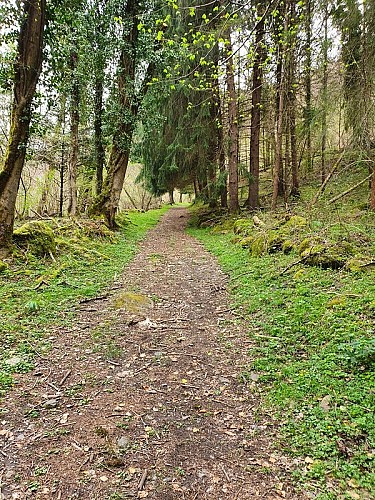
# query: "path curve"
141,397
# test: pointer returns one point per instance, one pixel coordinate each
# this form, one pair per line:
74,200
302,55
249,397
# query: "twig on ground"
92,299
143,368
53,386
300,261
113,362
225,474
142,481
65,377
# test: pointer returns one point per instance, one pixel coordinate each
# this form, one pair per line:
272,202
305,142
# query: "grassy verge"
315,353
39,293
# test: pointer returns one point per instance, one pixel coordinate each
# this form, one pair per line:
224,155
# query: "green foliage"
313,328
38,294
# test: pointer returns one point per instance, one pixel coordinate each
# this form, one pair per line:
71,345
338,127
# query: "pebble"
123,442
50,403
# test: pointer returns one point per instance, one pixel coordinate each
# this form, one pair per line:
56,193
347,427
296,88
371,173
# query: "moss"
323,256
132,302
296,221
246,242
288,246
259,245
335,302
36,237
304,245
3,266
275,241
224,227
243,226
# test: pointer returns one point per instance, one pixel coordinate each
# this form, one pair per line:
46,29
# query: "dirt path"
141,397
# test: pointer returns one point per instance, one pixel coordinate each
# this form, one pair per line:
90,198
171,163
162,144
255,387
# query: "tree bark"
372,194
277,171
27,71
308,93
324,95
232,129
98,131
128,102
295,192
256,97
74,124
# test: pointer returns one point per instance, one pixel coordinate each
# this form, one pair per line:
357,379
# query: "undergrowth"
38,294
315,353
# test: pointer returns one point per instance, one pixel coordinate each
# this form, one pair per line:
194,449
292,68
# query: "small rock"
50,404
325,403
124,374
254,376
13,361
123,442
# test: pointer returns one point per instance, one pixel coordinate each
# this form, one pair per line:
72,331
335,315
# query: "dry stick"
100,297
323,186
341,195
142,481
143,368
65,377
53,386
294,264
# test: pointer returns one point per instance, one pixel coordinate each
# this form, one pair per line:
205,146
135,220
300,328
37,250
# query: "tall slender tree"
26,74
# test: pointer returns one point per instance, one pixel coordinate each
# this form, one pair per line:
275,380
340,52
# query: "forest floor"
142,396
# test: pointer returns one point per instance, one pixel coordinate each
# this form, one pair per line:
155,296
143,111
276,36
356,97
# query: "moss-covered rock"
325,257
132,302
36,237
288,246
296,221
275,241
259,245
246,242
305,245
243,226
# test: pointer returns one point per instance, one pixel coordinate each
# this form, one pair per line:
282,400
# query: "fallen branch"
341,195
326,180
300,261
92,299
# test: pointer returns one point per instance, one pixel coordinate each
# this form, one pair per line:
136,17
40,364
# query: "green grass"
39,294
314,331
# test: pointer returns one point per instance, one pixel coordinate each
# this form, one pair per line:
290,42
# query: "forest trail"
141,397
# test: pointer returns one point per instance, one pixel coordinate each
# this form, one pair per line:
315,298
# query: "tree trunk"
308,93
295,192
128,102
74,123
171,197
232,129
256,97
372,195
324,95
220,146
277,171
98,130
27,70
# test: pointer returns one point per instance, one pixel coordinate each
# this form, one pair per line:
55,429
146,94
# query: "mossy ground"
315,352
38,293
